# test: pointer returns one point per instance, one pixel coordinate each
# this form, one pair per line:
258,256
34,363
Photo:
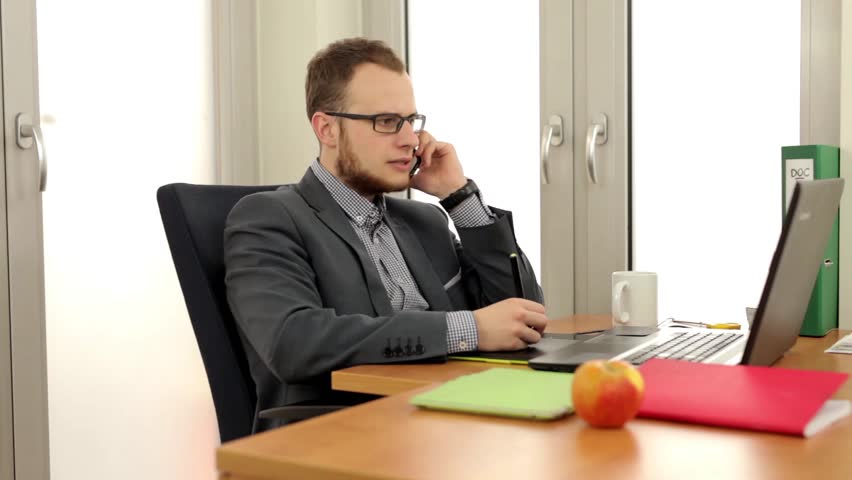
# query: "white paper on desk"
844,345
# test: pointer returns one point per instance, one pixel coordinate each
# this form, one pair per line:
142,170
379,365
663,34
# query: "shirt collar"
357,208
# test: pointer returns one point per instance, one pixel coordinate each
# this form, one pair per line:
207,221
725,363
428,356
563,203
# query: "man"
330,272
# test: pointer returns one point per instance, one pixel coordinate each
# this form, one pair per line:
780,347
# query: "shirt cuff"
461,332
472,212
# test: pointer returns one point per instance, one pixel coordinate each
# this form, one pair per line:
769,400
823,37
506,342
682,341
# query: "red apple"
607,393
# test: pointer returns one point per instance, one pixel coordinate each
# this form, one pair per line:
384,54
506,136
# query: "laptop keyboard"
694,346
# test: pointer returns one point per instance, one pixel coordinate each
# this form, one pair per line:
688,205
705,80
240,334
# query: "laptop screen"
793,272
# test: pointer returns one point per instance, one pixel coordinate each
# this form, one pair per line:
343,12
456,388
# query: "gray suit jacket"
308,299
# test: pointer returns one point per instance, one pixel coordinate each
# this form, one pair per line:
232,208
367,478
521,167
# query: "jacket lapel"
419,265
330,213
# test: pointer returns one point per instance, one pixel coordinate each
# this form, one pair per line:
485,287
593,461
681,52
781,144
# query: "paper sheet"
844,345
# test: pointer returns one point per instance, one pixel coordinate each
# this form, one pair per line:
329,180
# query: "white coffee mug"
634,298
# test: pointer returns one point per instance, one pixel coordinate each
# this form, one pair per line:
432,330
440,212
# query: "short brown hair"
331,69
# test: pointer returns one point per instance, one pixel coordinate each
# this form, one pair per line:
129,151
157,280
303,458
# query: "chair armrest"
293,413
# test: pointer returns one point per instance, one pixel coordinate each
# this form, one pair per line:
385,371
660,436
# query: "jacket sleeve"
483,253
272,291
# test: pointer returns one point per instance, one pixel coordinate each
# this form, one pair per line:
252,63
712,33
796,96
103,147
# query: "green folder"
505,392
814,162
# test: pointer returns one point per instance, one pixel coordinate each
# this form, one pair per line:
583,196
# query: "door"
23,378
670,91
584,151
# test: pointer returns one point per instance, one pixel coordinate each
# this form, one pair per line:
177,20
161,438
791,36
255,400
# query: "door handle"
596,135
550,135
26,133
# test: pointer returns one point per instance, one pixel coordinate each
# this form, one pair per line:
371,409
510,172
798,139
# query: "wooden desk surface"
393,379
388,438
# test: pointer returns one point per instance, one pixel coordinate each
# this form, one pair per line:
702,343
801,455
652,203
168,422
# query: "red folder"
782,400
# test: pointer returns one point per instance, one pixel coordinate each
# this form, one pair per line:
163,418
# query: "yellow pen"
722,326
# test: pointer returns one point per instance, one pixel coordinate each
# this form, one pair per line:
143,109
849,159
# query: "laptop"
550,342
779,316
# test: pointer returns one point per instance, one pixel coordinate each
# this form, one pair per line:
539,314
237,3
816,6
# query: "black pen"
516,274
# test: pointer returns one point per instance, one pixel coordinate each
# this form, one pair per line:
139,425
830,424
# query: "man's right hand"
510,324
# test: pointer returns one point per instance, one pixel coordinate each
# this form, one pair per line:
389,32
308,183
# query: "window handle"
596,135
26,133
550,135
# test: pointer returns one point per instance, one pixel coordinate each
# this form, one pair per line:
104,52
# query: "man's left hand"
440,170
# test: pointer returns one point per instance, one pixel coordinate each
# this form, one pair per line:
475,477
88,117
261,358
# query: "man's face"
368,161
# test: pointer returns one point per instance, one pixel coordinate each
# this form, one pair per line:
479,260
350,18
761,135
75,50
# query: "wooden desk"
388,438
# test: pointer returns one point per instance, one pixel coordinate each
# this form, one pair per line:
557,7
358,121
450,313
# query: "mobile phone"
416,167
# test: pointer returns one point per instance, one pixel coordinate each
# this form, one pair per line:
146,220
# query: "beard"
352,173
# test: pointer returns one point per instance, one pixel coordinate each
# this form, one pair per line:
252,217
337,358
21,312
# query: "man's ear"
326,129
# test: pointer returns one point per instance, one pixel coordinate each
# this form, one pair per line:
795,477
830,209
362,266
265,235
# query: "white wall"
129,86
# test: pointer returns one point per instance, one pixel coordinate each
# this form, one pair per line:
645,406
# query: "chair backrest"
194,219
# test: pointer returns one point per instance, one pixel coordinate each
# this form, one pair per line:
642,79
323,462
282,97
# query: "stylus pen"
516,274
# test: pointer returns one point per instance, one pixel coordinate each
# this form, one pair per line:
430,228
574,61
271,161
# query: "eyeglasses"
387,122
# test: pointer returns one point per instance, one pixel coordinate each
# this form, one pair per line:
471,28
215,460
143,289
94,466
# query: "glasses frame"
410,119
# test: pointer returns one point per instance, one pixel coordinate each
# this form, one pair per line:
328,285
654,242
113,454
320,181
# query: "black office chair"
194,220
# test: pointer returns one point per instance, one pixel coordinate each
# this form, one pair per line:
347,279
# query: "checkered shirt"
368,220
